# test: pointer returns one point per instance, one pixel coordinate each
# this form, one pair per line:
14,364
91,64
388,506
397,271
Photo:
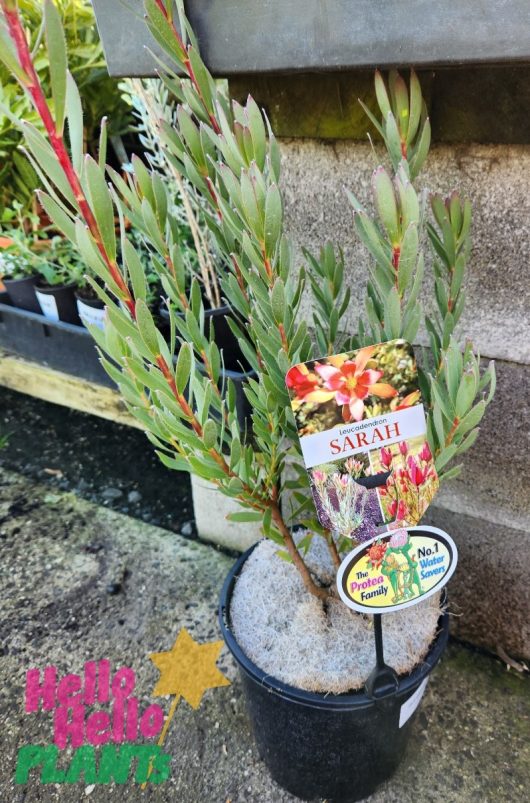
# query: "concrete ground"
79,582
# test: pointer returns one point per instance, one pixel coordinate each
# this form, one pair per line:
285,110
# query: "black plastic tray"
71,349
58,345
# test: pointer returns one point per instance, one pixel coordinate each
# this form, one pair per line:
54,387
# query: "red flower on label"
351,382
302,382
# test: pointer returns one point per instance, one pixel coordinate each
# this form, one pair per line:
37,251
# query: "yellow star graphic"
188,669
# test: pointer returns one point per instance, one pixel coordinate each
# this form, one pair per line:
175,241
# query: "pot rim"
95,303
343,701
50,289
224,309
32,276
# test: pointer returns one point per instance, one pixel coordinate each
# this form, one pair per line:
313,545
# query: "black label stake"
382,680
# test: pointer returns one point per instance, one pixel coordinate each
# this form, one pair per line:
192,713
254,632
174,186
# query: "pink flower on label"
351,382
319,476
399,538
417,474
392,508
340,481
425,453
403,447
386,457
402,510
353,466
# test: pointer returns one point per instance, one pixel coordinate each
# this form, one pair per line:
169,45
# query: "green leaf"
146,327
74,116
372,119
46,158
385,201
101,205
162,31
58,216
278,301
57,60
407,257
209,434
102,144
190,134
471,419
438,424
273,219
465,394
468,442
392,315
381,94
451,473
421,150
445,456
257,131
441,401
250,205
10,58
393,139
175,463
245,516
184,367
402,105
136,270
415,106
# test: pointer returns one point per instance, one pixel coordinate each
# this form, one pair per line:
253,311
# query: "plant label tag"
408,707
91,316
397,570
48,306
363,436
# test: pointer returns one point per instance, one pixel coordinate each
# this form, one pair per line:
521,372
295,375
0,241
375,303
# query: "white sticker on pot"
91,316
408,708
48,306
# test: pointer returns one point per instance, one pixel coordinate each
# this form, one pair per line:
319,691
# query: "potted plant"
304,657
60,273
19,262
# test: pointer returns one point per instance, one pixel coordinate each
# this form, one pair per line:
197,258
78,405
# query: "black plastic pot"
90,310
58,302
226,342
21,293
337,747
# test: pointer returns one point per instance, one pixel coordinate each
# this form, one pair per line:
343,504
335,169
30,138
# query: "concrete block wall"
487,509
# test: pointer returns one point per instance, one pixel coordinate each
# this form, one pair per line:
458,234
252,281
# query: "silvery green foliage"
453,387
230,157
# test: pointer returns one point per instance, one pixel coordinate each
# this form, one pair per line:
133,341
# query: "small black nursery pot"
90,309
21,293
58,302
338,747
226,342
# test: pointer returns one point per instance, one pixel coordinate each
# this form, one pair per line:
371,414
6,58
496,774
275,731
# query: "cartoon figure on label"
401,567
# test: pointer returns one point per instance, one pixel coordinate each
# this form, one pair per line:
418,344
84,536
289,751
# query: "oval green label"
397,569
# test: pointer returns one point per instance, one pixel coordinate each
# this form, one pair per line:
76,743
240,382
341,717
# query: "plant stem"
317,591
333,549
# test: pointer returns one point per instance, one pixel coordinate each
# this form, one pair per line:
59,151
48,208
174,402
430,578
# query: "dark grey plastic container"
332,747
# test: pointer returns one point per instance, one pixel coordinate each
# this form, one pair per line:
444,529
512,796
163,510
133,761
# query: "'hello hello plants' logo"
97,715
